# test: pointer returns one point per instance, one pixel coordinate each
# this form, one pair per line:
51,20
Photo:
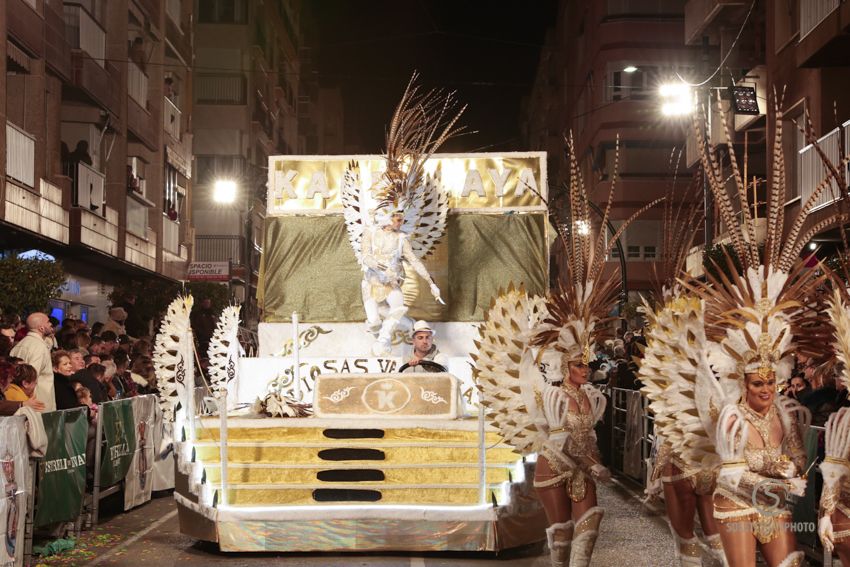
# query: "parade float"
319,443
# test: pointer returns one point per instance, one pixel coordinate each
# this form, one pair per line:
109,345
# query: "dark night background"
486,51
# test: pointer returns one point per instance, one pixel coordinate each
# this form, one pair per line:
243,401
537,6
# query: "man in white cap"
424,349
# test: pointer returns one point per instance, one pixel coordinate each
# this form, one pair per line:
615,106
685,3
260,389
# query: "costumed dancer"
531,369
756,316
401,218
687,490
834,522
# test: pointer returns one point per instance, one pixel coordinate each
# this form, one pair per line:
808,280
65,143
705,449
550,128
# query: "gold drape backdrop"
308,266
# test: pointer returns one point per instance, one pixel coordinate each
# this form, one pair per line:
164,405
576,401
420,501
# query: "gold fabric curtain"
308,266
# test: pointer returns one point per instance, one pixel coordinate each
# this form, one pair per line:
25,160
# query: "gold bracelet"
557,430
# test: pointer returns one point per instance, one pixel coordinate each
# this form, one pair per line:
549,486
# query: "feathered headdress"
580,308
421,123
172,356
223,352
755,320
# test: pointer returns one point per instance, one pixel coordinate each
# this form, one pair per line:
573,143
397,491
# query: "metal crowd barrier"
628,435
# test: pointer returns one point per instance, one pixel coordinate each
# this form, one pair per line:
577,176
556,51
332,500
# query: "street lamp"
224,191
676,99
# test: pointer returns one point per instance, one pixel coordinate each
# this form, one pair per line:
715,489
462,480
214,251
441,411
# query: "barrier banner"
163,466
119,441
14,467
62,472
139,481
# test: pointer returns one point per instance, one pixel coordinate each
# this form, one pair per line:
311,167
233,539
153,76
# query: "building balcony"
137,84
95,231
219,248
176,30
811,172
824,33
141,251
41,213
141,125
151,8
95,81
87,186
170,236
171,119
25,25
20,155
57,52
701,16
178,153
84,33
220,89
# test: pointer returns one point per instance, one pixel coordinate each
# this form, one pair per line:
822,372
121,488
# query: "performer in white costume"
402,216
532,367
744,324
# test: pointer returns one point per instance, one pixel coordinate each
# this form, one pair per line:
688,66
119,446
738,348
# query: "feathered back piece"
421,123
756,320
172,355
840,316
579,309
223,352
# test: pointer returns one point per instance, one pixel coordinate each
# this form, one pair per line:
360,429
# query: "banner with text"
119,441
14,469
62,472
505,181
139,481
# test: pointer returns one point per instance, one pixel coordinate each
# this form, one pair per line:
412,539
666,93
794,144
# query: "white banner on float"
334,340
14,469
256,374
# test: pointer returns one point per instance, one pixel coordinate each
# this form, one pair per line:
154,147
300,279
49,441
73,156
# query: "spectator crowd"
48,365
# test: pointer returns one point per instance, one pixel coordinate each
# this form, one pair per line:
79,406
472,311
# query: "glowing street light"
676,99
630,69
224,191
582,227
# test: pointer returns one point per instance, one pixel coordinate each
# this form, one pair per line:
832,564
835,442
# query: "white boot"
383,346
584,537
713,548
688,551
559,547
794,559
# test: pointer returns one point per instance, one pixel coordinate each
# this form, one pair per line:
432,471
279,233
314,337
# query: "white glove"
654,489
600,473
732,429
826,534
798,486
832,473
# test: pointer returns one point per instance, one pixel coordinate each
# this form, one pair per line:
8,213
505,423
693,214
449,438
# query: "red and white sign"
208,272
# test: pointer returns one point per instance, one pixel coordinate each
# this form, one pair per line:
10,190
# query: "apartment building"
598,77
246,97
96,97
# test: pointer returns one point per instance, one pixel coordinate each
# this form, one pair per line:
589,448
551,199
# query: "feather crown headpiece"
580,309
757,315
421,123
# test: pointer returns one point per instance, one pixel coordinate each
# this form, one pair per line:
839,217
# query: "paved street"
631,535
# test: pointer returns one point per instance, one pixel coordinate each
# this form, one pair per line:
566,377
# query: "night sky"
486,51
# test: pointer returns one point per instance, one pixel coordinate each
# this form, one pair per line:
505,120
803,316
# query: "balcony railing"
87,186
171,119
811,170
83,32
220,89
219,248
20,155
137,84
813,12
172,10
171,236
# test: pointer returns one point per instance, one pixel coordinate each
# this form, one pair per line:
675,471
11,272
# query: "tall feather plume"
169,359
223,352
421,123
579,308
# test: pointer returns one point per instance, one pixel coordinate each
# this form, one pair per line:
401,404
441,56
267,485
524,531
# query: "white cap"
422,326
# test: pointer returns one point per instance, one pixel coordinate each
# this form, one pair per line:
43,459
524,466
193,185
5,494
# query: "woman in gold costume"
532,369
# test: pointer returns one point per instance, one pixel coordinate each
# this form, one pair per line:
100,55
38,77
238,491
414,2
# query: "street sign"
208,272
